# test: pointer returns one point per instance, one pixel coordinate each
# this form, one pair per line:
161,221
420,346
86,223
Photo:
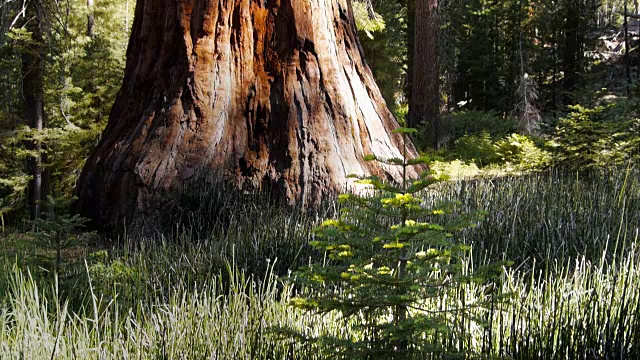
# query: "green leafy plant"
113,276
388,260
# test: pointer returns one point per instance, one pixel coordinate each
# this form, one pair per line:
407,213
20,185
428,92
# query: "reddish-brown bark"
269,94
425,94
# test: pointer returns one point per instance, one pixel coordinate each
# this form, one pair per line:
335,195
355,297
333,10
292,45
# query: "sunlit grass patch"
575,284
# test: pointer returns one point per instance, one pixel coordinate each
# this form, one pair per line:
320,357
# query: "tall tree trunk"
635,6
554,81
269,94
571,48
627,60
91,22
33,93
411,44
424,107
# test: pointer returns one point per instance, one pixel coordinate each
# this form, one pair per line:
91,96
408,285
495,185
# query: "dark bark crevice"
269,95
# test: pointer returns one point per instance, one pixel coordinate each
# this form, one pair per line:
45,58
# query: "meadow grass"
213,287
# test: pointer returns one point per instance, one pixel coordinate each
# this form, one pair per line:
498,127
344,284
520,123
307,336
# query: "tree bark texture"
91,21
411,41
272,95
425,94
571,59
33,95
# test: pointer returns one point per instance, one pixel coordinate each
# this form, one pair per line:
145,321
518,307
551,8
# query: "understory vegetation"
221,292
530,249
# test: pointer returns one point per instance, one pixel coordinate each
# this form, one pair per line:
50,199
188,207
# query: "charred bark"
272,95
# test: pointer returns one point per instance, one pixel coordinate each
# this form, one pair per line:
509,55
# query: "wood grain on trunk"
271,95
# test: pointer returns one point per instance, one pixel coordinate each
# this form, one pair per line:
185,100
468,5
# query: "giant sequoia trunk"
270,94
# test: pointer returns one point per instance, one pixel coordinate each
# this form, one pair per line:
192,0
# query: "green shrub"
514,150
476,148
521,151
480,122
113,276
602,136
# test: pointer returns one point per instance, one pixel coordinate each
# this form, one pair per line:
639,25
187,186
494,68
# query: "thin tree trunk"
271,95
126,15
635,6
627,60
411,45
425,99
554,81
33,93
581,39
571,48
90,18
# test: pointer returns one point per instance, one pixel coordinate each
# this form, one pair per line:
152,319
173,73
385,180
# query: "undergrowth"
216,292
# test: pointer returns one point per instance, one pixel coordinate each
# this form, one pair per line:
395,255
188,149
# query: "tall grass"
575,288
252,227
551,216
586,311
230,321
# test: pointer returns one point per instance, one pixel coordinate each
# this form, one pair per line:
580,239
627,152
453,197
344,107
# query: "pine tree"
389,259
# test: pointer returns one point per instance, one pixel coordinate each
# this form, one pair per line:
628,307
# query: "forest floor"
214,287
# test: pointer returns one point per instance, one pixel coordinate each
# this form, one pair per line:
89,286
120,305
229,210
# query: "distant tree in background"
58,84
33,95
424,103
572,47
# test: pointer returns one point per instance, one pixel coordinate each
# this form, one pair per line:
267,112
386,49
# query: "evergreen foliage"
387,255
82,75
385,49
599,137
56,233
523,153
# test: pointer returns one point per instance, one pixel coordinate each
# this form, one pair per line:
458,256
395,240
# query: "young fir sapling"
389,261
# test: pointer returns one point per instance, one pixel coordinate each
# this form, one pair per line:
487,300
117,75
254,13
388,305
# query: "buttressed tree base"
271,94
